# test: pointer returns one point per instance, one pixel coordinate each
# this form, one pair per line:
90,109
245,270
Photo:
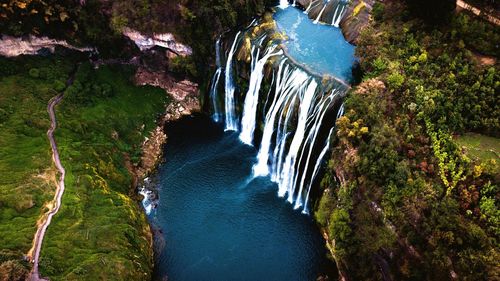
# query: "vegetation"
196,23
27,175
100,232
480,148
410,204
100,23
84,23
432,11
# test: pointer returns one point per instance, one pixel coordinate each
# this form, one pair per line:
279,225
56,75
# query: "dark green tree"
432,11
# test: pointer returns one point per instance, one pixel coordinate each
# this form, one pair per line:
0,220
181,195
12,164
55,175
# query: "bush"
432,11
378,11
58,86
34,72
395,80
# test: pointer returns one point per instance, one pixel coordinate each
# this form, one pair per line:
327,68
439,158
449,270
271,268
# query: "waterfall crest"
295,117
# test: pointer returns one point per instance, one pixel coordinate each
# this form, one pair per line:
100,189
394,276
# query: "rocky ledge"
32,45
184,101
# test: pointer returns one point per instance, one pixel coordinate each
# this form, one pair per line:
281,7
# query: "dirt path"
491,18
56,203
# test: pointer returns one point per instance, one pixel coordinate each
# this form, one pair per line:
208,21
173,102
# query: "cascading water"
320,14
339,13
252,97
283,4
335,8
231,119
213,221
217,115
298,115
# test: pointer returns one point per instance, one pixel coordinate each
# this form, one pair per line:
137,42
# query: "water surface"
219,224
320,47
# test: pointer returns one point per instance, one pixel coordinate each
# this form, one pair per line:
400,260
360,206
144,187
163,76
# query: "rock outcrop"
184,101
356,18
32,45
166,40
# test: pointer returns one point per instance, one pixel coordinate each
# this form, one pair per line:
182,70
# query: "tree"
432,11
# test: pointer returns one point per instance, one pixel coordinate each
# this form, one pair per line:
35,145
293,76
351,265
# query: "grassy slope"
24,149
100,233
480,147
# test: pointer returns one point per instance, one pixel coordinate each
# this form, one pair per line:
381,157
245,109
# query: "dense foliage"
103,120
196,23
410,204
100,23
27,175
85,23
432,11
100,230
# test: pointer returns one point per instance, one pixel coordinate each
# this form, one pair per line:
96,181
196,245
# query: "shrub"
378,11
395,80
34,72
59,86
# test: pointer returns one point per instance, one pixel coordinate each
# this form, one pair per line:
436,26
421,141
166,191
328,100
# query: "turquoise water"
320,47
218,224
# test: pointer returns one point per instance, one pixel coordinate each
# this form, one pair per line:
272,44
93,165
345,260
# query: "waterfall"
215,83
298,114
252,97
311,139
320,13
213,96
283,4
287,83
337,18
316,168
308,7
147,203
231,119
289,166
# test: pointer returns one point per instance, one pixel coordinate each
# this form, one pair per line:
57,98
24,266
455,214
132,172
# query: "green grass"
99,232
480,147
24,149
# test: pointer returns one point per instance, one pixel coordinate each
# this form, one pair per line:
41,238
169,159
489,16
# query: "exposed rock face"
356,18
151,151
184,102
15,46
166,40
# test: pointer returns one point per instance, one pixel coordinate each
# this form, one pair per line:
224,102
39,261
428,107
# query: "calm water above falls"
320,47
218,223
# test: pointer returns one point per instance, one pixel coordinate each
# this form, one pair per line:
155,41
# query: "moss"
99,232
26,170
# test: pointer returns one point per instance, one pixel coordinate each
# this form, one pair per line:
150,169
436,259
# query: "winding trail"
56,203
478,12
